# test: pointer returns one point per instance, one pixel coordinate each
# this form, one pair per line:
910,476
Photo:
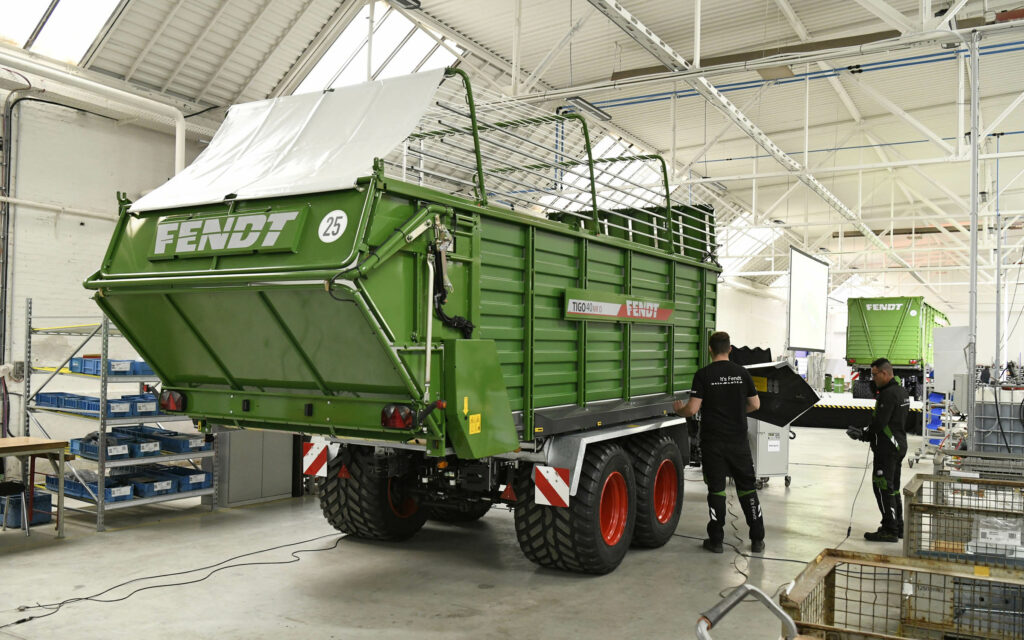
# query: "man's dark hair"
719,343
882,365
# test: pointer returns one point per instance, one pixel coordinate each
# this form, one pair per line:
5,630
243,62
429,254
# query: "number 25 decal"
333,226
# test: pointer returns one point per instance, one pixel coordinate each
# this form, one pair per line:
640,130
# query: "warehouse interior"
826,181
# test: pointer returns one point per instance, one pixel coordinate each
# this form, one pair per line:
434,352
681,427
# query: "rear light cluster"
397,416
172,400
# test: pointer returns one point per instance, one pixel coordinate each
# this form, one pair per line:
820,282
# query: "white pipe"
852,168
146,105
517,30
84,213
881,46
696,34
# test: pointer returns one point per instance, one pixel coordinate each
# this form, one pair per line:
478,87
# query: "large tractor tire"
367,504
658,465
459,513
593,534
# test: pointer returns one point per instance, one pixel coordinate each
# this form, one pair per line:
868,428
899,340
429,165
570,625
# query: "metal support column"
972,313
101,454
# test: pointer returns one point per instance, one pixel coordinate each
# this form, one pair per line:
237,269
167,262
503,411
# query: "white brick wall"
73,159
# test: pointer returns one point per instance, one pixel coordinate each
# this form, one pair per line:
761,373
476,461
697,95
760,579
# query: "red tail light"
396,416
172,400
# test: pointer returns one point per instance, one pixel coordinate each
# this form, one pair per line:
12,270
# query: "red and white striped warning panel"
552,486
315,456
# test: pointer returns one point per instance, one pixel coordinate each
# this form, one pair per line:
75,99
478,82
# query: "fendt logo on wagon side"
224,234
891,306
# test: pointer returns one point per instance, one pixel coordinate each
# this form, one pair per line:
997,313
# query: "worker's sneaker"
881,536
712,546
757,546
899,534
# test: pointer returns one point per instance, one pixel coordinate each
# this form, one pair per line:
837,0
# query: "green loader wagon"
461,300
898,329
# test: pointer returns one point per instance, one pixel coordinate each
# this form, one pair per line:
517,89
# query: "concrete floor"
448,581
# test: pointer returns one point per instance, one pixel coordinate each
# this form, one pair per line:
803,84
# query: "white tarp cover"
300,144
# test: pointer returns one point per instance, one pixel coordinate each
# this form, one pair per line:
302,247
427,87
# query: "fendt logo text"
229,233
639,309
884,307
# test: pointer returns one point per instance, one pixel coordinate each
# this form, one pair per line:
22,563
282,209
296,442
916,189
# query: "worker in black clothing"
888,438
724,393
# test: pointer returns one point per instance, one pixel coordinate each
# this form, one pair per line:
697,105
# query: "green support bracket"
482,190
590,165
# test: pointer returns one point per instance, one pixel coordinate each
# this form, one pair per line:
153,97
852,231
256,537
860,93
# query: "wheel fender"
565,453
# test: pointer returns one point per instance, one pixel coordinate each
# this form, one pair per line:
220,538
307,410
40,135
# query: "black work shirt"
723,388
888,423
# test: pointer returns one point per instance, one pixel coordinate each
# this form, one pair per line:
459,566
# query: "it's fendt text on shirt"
723,388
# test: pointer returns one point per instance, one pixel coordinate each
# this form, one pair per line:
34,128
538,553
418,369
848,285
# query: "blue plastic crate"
115,408
935,396
117,447
145,404
141,368
139,446
91,366
188,479
69,401
170,440
76,365
119,367
42,506
150,485
113,490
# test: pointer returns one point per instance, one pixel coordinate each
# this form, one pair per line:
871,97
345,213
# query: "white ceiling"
214,53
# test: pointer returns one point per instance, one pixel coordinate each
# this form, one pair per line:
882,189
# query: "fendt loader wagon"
898,329
465,304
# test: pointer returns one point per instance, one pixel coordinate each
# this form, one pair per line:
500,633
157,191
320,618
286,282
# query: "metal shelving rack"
104,332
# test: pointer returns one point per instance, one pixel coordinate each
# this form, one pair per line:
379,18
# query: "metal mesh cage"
843,595
975,521
550,165
982,464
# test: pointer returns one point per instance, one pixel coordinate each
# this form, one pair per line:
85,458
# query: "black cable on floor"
56,606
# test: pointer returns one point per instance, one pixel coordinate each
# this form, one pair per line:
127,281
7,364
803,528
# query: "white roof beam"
152,40
894,109
266,56
195,45
889,15
552,55
725,129
663,52
231,54
1002,116
943,21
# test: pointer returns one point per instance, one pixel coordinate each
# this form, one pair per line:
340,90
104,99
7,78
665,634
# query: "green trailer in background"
465,303
899,329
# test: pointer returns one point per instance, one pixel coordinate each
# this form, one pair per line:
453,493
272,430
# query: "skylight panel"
72,28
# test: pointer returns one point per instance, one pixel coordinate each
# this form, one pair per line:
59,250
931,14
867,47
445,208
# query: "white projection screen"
808,301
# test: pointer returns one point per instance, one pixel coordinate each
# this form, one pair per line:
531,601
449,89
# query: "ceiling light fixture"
589,109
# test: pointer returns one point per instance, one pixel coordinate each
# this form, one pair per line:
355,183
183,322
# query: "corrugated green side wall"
543,354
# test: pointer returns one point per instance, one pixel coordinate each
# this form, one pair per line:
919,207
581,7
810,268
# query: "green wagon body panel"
899,329
258,325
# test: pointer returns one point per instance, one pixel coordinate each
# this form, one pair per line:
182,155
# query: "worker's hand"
855,433
678,406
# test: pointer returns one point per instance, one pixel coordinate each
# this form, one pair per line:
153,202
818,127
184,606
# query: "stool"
7,490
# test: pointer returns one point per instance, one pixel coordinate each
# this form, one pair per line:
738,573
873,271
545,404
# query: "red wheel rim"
666,491
401,506
614,508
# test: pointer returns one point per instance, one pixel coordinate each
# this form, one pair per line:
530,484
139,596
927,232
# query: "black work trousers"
731,459
888,462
